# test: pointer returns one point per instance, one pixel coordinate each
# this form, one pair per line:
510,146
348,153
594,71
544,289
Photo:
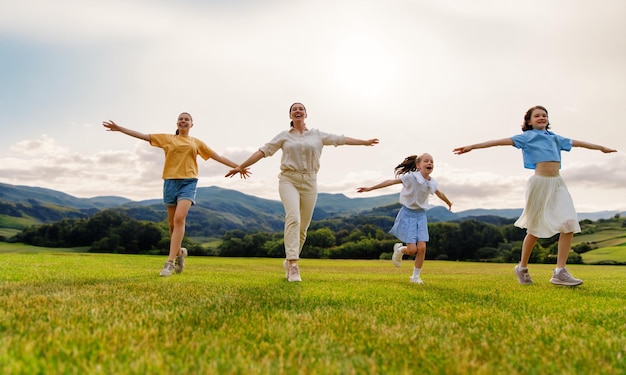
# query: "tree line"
356,237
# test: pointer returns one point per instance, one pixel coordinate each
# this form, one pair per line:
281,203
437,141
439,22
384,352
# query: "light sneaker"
523,277
286,267
167,269
416,280
564,278
179,262
396,258
293,273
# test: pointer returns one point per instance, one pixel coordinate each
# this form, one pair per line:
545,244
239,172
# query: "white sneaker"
293,273
167,269
564,278
396,258
416,280
523,277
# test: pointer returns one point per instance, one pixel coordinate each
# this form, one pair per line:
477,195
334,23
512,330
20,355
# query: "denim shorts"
177,189
411,226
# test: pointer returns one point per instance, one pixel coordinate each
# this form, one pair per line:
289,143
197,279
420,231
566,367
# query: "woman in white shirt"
297,183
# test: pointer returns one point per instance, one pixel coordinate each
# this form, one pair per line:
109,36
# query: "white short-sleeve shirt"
415,190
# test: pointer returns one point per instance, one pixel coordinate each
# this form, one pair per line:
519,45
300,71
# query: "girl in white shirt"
297,183
411,224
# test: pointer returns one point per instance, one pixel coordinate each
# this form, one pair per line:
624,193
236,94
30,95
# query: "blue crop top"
540,145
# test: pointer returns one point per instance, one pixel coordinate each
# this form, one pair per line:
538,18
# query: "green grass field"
612,253
600,237
79,313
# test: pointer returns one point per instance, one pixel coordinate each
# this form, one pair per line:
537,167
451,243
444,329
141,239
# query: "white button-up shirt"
301,152
416,189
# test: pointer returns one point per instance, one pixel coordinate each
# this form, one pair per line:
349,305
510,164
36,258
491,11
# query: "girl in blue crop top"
549,207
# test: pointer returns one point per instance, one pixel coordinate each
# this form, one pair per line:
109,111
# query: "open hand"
462,150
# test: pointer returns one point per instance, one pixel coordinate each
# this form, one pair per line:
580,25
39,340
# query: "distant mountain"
219,210
28,194
507,212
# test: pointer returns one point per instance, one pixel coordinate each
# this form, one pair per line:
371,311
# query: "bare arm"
242,168
113,127
495,142
591,146
360,142
380,185
443,197
223,160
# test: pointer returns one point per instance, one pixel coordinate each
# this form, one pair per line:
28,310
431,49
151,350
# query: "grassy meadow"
78,313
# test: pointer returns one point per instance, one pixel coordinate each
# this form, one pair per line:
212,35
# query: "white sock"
416,272
520,266
557,270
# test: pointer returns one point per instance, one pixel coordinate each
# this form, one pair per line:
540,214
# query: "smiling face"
536,118
297,112
184,123
426,164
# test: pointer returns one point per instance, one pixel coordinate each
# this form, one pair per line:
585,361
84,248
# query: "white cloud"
420,75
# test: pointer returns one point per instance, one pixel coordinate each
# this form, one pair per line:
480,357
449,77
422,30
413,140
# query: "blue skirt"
410,226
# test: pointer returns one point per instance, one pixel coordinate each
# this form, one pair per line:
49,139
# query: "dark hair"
186,113
526,126
291,106
409,164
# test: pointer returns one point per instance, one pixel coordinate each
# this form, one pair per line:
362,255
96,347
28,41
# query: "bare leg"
176,216
564,247
527,248
421,255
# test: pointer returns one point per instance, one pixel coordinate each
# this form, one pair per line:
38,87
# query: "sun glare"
363,66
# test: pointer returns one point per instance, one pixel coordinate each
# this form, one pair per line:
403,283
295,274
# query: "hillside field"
79,313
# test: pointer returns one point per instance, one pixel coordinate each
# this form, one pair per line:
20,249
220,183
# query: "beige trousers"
298,192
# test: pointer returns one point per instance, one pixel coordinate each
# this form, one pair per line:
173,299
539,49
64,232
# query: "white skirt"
549,208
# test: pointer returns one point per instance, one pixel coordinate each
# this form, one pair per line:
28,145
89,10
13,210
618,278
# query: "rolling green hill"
217,211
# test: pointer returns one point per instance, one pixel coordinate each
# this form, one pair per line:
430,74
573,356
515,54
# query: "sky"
420,75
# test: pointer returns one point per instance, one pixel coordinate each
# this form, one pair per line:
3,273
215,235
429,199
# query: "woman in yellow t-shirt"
180,178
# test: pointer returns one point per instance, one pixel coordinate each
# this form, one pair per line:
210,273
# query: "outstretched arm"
360,142
591,146
380,185
243,167
443,197
495,142
221,159
113,127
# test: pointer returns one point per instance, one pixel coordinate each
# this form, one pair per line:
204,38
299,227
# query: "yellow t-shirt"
180,154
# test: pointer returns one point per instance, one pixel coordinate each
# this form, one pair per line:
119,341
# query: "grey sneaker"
396,258
416,280
294,273
167,269
564,278
179,262
523,277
